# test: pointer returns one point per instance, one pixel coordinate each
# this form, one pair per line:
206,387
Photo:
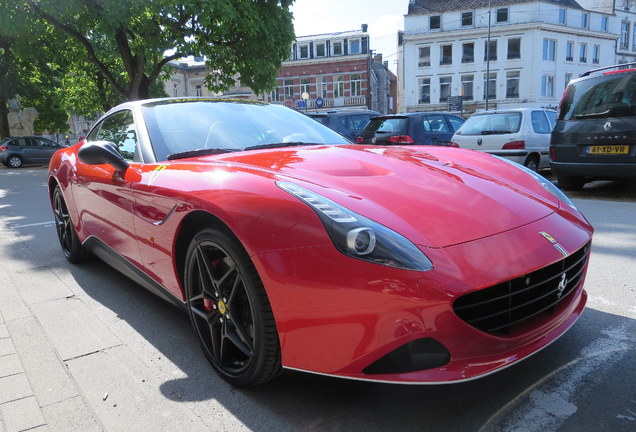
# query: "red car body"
483,224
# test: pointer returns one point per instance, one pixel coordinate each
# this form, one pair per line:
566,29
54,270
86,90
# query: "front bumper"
337,316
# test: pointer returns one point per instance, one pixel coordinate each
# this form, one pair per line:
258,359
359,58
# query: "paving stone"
48,376
22,414
12,306
133,402
6,347
4,333
14,387
73,328
10,365
39,285
71,414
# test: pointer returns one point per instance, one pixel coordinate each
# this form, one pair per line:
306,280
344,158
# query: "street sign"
319,102
455,103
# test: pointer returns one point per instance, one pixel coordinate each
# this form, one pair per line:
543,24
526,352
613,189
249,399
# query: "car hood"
435,196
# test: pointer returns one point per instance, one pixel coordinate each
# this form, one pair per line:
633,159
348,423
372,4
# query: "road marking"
32,225
548,403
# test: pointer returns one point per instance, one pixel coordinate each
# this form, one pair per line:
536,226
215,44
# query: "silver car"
16,151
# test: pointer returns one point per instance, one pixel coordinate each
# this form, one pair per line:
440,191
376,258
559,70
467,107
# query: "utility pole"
488,57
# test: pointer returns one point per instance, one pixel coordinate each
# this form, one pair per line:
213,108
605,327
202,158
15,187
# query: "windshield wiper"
199,152
276,145
495,132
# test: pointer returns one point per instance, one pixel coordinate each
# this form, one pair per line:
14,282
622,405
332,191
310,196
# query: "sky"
384,17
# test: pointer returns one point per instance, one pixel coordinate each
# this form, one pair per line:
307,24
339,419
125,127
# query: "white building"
536,47
626,17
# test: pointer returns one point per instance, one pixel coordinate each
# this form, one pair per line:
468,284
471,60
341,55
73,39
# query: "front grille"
497,309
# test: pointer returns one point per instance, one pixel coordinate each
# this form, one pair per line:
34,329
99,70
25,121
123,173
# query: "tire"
71,246
229,309
532,163
14,161
570,183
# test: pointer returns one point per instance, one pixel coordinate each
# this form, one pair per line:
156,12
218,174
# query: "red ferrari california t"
290,247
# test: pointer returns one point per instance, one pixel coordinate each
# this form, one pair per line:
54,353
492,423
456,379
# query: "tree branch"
159,66
92,57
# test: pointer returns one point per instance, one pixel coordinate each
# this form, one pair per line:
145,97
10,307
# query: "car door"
43,149
437,130
107,193
539,139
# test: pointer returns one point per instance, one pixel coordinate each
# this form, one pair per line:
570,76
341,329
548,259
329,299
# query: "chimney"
364,28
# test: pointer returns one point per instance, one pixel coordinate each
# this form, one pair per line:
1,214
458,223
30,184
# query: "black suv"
595,132
421,128
348,123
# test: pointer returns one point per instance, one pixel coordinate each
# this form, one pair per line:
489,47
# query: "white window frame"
549,49
583,52
547,85
569,51
423,83
338,86
507,15
468,81
596,54
445,85
563,16
624,39
351,43
339,43
492,86
585,20
467,15
300,51
422,58
324,49
512,76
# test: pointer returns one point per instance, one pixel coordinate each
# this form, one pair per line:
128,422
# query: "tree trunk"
4,120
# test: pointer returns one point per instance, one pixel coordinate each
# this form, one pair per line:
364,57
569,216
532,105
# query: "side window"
455,122
435,123
119,129
540,123
22,142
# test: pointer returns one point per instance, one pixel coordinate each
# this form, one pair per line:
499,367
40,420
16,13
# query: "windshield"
491,124
611,95
385,125
219,126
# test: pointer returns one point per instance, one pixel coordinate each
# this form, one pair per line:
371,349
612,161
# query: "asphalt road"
586,381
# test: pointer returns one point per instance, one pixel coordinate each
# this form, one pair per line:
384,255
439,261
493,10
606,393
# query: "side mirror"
102,152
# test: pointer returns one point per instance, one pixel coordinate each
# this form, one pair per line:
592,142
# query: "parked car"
290,247
348,123
519,134
595,133
422,128
16,151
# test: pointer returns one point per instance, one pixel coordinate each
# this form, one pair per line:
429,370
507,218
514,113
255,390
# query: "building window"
198,91
634,38
547,86
596,54
273,96
288,87
490,85
502,15
356,85
604,21
338,87
321,87
467,87
467,19
175,89
434,22
568,78
624,42
585,20
304,86
446,54
468,52
424,84
303,51
444,88
354,46
562,16
425,56
337,48
569,51
549,47
490,50
583,53
321,50
514,48
512,84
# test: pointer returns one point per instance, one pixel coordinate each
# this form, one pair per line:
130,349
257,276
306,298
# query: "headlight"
359,237
542,181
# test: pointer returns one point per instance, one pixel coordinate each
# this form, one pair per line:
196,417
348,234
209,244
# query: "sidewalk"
61,367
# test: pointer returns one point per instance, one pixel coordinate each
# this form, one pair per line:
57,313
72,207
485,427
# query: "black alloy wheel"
229,310
71,247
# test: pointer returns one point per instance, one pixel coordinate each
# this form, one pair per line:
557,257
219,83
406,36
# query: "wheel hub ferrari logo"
222,307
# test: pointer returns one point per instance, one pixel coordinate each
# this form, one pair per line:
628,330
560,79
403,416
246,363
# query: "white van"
519,134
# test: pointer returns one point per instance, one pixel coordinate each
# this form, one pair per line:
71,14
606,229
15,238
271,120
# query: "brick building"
336,70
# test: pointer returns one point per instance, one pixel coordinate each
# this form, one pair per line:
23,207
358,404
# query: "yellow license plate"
607,149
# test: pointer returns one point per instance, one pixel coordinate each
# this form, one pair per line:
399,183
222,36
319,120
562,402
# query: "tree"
125,40
25,48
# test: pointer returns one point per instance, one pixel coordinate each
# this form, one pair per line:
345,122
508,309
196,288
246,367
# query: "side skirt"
119,263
